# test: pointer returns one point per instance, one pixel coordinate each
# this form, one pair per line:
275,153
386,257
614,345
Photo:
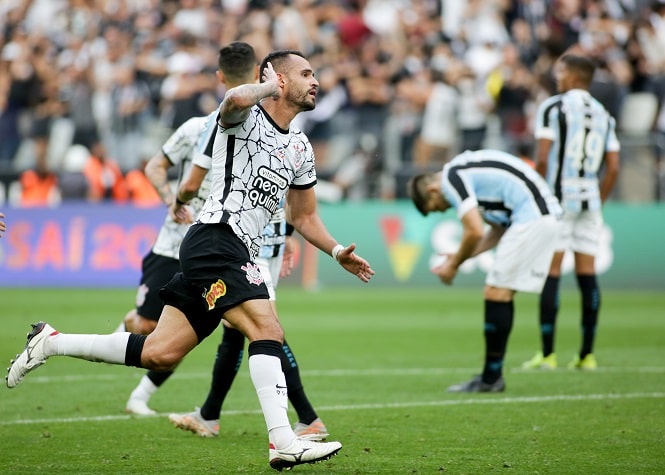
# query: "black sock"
498,323
297,396
549,307
158,378
227,364
590,305
134,350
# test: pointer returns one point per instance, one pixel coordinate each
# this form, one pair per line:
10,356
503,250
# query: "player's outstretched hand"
354,263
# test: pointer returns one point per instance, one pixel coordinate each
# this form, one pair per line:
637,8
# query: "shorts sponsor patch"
217,290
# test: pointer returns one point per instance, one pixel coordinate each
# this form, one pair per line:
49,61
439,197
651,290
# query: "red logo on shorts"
217,290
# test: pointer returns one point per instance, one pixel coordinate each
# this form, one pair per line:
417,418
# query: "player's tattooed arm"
240,99
156,171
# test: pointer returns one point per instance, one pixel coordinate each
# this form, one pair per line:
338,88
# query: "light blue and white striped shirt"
582,131
504,188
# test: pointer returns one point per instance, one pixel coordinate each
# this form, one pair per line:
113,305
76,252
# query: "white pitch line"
342,372
355,407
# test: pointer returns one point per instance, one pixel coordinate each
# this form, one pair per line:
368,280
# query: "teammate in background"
185,148
575,138
189,148
523,216
257,158
3,226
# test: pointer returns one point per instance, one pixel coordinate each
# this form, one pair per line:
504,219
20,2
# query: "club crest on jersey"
217,290
253,273
299,153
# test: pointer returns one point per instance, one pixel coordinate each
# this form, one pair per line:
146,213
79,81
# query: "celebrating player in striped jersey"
499,189
189,149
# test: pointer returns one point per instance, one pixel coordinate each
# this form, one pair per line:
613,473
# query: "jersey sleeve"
202,160
305,176
465,206
180,144
545,116
612,142
202,154
456,192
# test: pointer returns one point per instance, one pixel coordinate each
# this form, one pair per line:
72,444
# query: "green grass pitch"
375,363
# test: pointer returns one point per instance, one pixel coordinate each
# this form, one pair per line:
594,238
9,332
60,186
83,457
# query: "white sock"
270,384
100,348
144,390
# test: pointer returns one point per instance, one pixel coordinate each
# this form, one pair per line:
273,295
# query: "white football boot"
301,451
32,356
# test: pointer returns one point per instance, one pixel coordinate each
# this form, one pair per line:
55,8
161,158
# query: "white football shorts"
524,254
580,232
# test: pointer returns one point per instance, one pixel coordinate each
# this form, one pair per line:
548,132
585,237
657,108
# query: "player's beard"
304,100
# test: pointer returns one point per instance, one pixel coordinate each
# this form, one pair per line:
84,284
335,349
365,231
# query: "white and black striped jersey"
582,131
504,188
253,165
186,146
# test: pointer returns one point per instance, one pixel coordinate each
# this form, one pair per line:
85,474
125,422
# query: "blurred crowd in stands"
90,89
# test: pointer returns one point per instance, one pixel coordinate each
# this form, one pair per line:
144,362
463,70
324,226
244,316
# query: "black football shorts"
157,271
216,275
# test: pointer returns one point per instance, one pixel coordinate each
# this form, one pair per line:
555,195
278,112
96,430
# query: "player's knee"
159,362
145,326
269,329
135,323
159,358
498,294
129,320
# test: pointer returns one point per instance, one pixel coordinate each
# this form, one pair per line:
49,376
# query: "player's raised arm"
239,100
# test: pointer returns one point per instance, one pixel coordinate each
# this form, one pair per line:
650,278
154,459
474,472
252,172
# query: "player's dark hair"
582,66
237,60
524,148
278,59
416,188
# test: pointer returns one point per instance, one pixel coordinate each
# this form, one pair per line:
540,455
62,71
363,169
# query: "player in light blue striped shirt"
576,140
493,187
